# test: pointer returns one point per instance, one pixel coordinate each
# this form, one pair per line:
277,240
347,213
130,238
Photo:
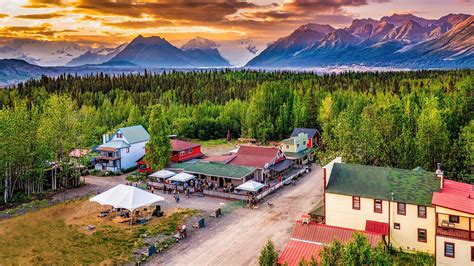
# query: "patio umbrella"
251,186
126,197
164,174
182,177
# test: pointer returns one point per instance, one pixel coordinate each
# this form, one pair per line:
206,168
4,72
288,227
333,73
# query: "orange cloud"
40,16
3,16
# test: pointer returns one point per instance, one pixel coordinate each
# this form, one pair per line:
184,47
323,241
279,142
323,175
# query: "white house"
122,151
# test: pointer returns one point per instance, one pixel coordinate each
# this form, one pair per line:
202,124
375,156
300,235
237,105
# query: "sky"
112,22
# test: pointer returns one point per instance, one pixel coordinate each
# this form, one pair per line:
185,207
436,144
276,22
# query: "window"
119,135
297,145
401,208
355,203
287,146
127,150
396,226
421,235
304,143
181,153
449,249
421,211
377,205
190,151
472,253
454,219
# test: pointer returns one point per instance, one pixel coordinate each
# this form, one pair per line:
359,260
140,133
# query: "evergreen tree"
158,148
268,255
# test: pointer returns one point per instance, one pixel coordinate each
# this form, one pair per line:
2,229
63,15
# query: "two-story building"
182,151
314,137
296,149
415,210
121,152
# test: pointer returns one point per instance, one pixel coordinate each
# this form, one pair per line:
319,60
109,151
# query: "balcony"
455,233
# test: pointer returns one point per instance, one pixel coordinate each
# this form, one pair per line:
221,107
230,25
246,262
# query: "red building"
144,167
182,151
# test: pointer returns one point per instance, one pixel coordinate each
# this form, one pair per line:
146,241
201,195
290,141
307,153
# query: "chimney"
440,174
105,138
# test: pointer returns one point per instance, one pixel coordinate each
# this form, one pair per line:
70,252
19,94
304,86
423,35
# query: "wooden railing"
455,233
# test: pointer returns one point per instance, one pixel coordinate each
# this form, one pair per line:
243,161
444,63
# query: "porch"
455,226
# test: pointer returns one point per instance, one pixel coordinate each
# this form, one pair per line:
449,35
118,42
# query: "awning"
181,177
163,174
251,186
127,197
281,166
376,227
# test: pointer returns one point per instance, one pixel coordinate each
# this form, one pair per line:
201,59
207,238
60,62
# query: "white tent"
163,174
251,186
181,177
126,197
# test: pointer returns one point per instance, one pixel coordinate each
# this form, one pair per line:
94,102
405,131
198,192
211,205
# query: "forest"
394,119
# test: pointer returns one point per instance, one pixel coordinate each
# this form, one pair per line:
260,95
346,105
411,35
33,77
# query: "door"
221,182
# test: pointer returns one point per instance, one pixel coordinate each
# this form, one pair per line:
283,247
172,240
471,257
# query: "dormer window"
119,135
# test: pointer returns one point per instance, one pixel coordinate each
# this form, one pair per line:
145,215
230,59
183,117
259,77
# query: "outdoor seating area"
128,204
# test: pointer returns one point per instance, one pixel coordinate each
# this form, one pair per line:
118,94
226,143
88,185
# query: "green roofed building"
221,174
408,186
395,203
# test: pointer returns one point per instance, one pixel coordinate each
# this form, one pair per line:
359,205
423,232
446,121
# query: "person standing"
177,197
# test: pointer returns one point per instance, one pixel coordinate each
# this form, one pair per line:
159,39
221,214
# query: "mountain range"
400,40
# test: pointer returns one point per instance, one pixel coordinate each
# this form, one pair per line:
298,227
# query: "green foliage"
159,146
400,119
332,254
268,255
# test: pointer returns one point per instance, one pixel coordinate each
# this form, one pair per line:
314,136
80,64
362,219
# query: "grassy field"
57,235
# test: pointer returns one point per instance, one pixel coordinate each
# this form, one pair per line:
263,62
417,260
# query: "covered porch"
455,226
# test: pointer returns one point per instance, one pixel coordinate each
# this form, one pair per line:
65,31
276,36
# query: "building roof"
113,145
455,195
282,165
300,154
311,132
181,145
408,186
79,153
255,156
218,158
135,134
307,240
289,141
376,227
219,169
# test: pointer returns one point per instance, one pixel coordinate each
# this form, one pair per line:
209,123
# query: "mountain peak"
323,28
199,43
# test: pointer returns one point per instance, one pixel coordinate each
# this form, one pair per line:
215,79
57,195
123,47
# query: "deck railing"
455,233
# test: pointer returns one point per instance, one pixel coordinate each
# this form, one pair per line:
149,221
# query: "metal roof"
310,131
114,144
255,156
455,195
181,145
219,170
408,186
307,240
282,165
135,134
376,227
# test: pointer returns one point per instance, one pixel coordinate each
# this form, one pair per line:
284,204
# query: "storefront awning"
281,166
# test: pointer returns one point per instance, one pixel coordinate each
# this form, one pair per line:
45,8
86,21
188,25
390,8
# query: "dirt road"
238,237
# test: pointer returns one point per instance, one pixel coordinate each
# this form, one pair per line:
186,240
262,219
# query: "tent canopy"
181,177
251,186
163,174
126,197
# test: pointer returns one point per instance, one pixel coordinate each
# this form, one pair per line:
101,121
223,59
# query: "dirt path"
236,239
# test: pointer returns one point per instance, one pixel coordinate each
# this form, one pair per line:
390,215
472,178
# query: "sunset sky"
111,22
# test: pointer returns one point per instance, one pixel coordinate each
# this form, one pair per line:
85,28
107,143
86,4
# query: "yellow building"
398,204
454,210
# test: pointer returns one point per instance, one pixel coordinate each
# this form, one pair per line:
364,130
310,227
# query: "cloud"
40,16
3,16
139,24
43,3
42,31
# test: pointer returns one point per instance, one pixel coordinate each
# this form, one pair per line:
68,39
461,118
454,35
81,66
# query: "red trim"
418,235
381,206
404,208
454,250
454,216
353,200
426,211
324,194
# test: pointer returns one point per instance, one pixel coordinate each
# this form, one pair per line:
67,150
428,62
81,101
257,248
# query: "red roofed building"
454,208
182,151
307,240
262,158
